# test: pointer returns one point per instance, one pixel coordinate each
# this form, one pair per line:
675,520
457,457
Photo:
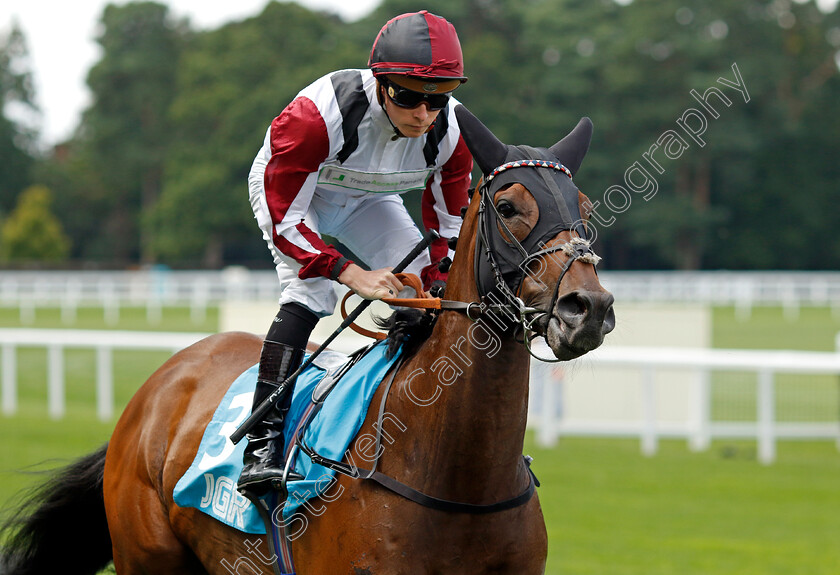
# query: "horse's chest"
391,539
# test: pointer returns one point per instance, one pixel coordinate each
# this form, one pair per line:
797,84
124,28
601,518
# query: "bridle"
503,298
499,288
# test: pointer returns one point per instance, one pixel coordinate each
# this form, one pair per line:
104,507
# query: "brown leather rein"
423,301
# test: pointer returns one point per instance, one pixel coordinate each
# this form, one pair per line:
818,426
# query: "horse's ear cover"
571,149
553,190
487,150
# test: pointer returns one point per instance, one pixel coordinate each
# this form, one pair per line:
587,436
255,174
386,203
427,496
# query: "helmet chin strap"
397,134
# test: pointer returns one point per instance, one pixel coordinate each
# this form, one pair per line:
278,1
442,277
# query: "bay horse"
523,268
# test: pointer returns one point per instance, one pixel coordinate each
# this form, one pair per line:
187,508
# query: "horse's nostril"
579,306
572,308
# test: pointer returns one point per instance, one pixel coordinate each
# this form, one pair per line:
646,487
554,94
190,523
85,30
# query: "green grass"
33,442
608,509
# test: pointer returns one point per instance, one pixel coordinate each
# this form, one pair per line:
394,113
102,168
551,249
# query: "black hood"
546,173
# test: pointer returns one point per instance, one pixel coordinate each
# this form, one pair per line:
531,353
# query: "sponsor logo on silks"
223,500
375,182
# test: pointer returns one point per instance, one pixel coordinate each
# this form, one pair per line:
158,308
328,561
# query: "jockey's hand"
374,284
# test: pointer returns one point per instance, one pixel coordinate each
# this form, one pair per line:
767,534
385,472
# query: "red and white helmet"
418,44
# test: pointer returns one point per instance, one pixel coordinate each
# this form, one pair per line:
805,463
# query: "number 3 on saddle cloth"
210,483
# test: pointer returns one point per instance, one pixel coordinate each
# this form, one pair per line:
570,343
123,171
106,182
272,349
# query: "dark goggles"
405,98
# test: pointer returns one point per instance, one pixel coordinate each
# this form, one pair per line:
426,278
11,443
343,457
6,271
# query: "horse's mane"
407,327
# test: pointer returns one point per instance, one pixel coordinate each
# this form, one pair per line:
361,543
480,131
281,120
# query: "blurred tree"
632,68
32,233
232,82
126,130
17,138
781,194
760,189
82,201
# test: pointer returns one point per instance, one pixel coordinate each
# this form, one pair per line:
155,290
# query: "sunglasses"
405,98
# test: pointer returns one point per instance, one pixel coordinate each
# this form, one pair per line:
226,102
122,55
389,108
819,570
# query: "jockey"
335,162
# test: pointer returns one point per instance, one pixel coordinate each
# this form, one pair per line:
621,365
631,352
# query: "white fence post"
55,381
547,436
766,417
110,303
9,379
154,310
70,303
702,411
790,303
743,299
27,309
650,442
104,383
198,303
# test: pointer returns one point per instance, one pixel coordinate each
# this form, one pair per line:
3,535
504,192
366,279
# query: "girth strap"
421,498
412,494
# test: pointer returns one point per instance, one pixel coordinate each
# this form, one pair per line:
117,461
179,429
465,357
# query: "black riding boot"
263,458
282,353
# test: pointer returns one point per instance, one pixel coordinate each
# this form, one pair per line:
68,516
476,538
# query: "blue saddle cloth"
210,483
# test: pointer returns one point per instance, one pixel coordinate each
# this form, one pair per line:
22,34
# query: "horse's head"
533,260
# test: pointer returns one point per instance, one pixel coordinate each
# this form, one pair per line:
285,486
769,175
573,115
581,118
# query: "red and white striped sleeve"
443,198
299,145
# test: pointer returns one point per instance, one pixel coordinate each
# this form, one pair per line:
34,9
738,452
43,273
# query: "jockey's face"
411,122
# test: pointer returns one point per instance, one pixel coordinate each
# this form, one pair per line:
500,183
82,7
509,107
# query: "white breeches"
376,227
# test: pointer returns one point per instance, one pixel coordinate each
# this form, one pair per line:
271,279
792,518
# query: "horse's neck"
467,391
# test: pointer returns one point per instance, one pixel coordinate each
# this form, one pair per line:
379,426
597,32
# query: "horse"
457,410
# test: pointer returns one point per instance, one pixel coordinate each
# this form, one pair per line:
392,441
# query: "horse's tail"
60,526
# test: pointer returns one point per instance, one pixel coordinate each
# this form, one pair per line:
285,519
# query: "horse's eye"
506,209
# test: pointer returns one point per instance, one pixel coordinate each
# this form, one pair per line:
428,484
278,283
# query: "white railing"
744,290
56,341
698,427
549,420
113,290
154,289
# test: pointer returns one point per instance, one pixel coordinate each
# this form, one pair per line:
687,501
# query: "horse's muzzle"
578,323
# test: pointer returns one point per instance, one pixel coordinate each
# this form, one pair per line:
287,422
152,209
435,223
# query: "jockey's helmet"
419,51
